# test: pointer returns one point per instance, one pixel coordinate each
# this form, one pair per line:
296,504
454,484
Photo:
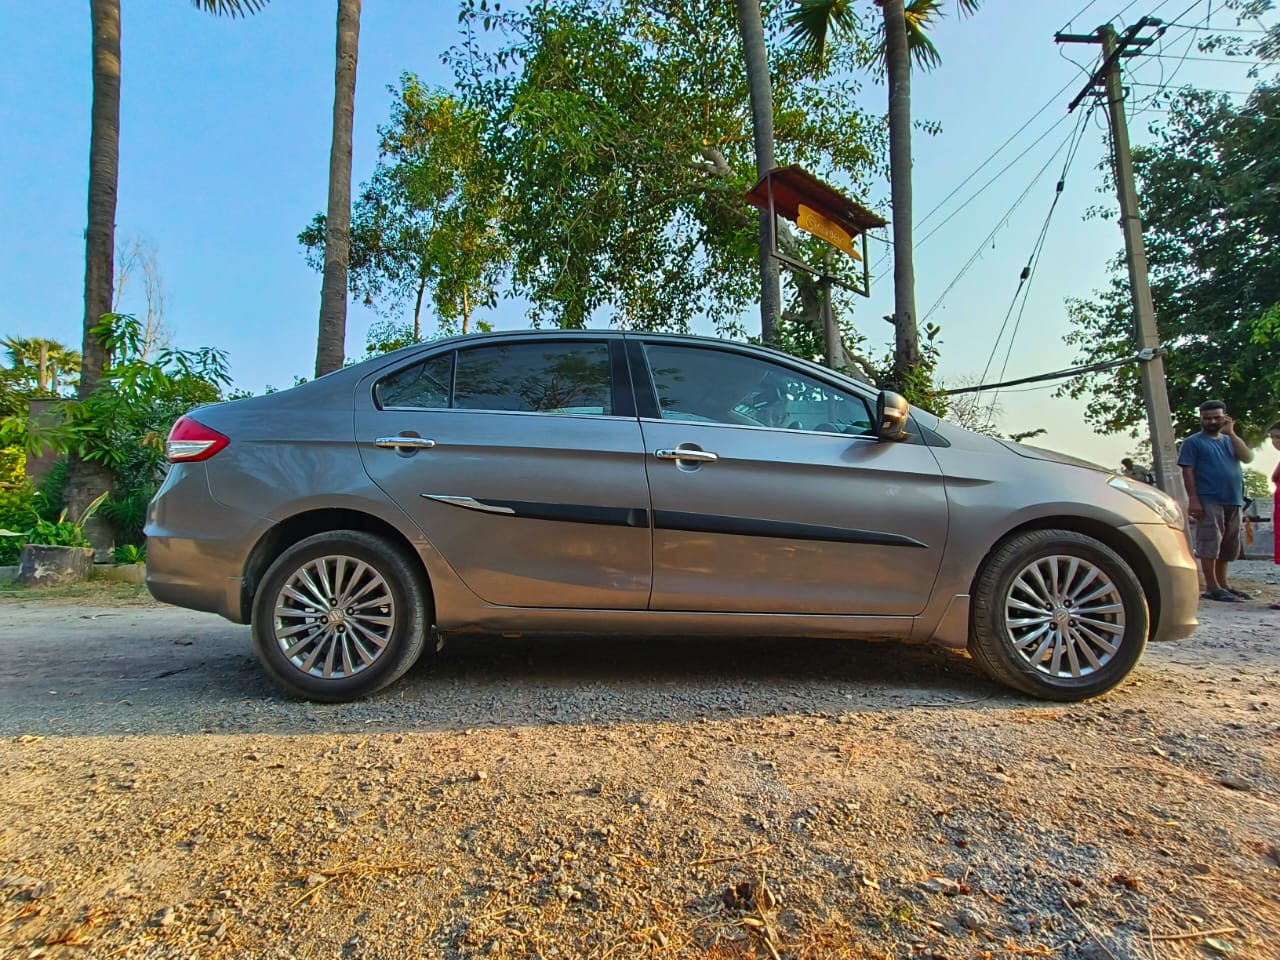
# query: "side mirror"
892,410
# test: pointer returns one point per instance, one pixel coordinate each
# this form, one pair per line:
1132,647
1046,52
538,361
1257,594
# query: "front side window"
549,377
717,386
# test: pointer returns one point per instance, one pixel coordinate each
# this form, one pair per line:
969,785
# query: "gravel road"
631,798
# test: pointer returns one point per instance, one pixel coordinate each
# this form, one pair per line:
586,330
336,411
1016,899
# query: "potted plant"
56,551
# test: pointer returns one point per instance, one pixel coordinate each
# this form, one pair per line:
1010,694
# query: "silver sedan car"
602,482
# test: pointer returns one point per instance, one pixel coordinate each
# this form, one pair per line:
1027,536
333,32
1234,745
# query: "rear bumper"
191,561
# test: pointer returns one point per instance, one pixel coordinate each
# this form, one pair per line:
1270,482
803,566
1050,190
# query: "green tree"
331,342
121,426
85,481
41,366
626,136
428,220
904,37
1257,485
1211,221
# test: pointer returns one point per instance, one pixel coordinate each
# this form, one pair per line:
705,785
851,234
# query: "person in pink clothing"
1273,432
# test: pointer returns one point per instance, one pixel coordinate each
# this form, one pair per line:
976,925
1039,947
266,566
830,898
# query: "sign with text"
821,227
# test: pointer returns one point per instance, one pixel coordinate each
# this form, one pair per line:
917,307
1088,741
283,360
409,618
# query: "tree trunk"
417,311
42,366
331,344
104,161
761,89
85,480
466,311
906,352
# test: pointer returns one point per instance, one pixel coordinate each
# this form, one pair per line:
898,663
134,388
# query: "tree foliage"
1211,211
427,221
625,134
123,423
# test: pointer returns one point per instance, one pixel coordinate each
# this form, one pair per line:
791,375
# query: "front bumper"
1177,582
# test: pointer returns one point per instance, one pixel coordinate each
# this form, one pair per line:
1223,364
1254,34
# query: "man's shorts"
1217,533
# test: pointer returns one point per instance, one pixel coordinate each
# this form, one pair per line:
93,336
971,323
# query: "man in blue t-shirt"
1210,462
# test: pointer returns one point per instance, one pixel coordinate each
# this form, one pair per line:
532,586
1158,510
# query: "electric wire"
1191,26
1080,13
1028,273
1065,374
1251,61
982,166
1005,169
1000,225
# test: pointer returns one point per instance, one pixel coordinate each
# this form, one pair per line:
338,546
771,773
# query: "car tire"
1059,615
352,639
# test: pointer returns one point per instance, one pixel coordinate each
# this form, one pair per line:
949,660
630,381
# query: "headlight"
1169,509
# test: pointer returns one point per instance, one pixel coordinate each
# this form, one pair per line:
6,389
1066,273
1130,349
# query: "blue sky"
224,158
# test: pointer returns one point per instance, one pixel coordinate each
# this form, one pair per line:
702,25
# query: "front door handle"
395,443
700,456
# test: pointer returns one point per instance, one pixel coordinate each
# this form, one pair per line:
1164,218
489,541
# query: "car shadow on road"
215,686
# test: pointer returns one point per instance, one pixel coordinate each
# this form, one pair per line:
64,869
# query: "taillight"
190,441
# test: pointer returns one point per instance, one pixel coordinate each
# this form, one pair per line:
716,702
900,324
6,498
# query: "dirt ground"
616,799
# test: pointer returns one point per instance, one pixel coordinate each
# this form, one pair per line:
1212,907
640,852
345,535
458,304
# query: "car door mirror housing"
892,410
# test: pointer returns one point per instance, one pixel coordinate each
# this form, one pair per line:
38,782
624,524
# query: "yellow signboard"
813,222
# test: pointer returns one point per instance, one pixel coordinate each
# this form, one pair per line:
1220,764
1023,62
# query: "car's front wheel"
1059,615
340,615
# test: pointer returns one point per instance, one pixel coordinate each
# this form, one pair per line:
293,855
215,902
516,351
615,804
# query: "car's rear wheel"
1059,615
340,615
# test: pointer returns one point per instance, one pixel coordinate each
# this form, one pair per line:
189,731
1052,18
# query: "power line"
1065,374
1246,60
982,189
1192,26
982,166
1237,93
1034,260
1080,13
1000,224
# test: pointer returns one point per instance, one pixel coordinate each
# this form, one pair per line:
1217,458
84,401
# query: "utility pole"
1155,390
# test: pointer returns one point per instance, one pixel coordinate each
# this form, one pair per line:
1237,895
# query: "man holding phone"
1211,470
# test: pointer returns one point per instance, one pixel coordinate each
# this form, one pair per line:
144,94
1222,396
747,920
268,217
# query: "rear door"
522,462
770,494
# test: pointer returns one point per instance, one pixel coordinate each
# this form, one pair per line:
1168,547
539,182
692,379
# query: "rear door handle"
701,456
395,443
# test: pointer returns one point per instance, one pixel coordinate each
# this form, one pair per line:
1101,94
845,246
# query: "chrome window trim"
746,426
508,413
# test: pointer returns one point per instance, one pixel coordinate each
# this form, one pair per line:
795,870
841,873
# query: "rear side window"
549,377
424,385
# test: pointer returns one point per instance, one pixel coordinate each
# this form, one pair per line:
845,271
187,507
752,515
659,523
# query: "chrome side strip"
469,503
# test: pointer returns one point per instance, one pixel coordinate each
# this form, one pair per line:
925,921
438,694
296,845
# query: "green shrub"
49,491
17,509
127,512
13,465
129,553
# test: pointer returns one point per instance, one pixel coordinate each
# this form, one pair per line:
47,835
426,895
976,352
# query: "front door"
771,495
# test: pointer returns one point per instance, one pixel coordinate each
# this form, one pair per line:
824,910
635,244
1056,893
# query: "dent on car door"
771,495
522,463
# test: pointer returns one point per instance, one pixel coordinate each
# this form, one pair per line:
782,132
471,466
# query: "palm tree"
331,343
905,37
47,358
760,86
64,366
86,480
